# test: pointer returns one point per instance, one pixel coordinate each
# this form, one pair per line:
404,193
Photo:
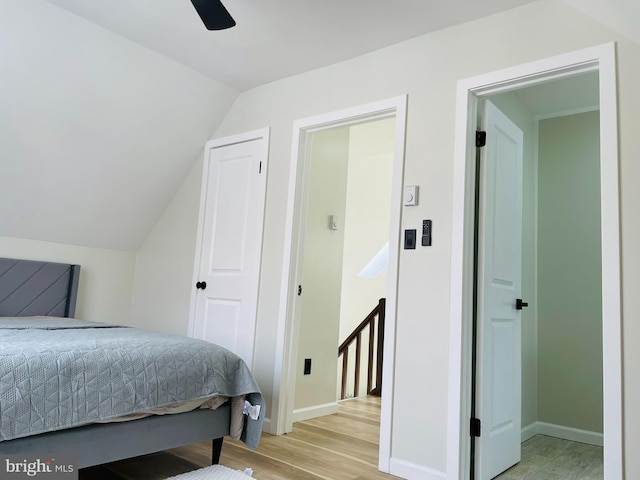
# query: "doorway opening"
289,326
347,200
471,92
554,333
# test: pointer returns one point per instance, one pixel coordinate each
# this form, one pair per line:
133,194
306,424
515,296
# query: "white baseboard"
560,431
307,413
411,471
529,431
266,426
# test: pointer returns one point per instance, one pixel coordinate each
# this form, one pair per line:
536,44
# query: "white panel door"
231,242
499,285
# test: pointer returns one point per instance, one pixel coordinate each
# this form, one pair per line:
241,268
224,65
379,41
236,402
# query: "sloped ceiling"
622,16
106,105
96,132
274,39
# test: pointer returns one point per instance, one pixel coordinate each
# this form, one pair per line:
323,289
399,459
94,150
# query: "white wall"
427,69
321,273
165,263
96,132
366,222
106,276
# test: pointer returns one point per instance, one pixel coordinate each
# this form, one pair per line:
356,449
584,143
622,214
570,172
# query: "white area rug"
214,472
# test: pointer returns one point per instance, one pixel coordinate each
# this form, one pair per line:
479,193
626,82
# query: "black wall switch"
307,366
409,239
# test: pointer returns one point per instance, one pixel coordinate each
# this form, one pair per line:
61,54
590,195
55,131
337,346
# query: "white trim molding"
563,432
599,58
307,413
404,469
529,431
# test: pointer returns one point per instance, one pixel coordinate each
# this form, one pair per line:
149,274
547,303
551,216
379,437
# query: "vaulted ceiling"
276,38
106,105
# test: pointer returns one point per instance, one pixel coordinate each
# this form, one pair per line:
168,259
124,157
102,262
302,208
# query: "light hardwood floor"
342,447
336,447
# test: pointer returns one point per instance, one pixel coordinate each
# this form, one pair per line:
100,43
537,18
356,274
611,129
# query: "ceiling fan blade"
213,14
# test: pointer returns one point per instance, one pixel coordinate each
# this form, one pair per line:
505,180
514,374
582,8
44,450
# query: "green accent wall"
569,273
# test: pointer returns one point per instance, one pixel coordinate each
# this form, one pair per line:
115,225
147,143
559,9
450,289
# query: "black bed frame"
100,443
32,288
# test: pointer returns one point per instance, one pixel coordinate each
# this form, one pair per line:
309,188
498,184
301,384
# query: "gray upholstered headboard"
31,288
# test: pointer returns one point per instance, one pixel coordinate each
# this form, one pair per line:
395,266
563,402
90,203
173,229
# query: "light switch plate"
410,197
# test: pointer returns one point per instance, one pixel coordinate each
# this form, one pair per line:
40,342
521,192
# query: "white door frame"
600,58
284,381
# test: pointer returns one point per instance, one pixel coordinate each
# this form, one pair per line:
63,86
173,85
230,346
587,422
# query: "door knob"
201,285
520,304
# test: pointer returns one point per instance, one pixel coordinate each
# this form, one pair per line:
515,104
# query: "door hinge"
474,427
481,138
260,167
299,290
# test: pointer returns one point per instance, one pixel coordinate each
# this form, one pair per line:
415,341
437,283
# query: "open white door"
498,390
231,223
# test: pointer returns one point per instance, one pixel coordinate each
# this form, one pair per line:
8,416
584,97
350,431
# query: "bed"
71,387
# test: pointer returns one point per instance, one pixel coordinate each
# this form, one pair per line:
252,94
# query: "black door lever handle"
520,304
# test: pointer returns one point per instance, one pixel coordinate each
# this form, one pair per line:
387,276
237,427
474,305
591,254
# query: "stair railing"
375,351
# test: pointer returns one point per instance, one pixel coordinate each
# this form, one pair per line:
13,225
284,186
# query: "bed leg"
216,449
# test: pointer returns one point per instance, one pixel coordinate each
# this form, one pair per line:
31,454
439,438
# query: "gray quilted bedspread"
60,373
